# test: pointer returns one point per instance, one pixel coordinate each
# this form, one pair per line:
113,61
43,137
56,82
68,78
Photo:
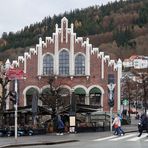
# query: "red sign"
14,73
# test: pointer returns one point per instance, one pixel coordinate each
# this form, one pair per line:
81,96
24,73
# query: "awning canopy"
81,108
80,91
95,90
31,91
28,109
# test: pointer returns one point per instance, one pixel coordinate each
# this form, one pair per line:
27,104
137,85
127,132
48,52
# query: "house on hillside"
74,64
136,61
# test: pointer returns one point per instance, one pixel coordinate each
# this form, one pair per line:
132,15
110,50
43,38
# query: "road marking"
147,137
137,138
122,137
105,138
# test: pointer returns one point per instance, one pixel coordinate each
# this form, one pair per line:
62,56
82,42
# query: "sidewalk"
51,139
133,127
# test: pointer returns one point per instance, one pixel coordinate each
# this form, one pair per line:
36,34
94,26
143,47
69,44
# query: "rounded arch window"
80,64
64,62
47,65
95,96
30,94
80,95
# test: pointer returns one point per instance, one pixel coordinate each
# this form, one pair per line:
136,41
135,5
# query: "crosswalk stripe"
106,138
137,138
128,137
147,138
122,137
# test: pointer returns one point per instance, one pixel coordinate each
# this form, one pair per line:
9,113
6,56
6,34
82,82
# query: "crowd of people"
142,126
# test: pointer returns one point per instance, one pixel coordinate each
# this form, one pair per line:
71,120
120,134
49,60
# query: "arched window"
80,65
80,95
64,63
47,65
95,96
30,96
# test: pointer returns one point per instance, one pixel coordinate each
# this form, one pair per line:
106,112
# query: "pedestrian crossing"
131,137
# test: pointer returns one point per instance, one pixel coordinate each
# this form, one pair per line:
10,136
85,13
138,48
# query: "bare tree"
53,98
128,89
142,79
3,82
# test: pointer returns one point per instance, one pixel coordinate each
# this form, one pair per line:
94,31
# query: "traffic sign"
15,73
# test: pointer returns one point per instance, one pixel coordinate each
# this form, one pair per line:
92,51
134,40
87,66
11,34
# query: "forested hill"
120,29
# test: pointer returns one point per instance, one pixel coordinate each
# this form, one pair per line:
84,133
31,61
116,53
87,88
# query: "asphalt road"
127,141
95,140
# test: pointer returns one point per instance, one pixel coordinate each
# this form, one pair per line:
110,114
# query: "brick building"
75,65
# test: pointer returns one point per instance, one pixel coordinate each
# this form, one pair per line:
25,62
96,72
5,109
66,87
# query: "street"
89,140
128,140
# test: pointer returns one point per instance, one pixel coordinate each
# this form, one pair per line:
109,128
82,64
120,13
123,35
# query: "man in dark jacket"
143,125
60,125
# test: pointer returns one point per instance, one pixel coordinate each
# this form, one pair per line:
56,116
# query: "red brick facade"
97,67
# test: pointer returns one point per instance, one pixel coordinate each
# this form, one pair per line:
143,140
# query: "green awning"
46,91
31,91
80,91
95,90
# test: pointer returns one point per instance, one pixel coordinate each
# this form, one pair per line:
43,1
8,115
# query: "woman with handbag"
116,124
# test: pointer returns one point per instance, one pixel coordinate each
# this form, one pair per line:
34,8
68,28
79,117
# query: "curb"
40,143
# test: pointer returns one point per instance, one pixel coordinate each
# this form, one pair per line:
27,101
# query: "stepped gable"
65,34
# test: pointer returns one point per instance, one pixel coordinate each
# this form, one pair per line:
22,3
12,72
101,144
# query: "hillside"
119,29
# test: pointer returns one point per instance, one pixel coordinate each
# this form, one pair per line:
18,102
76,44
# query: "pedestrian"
143,125
120,128
60,126
116,124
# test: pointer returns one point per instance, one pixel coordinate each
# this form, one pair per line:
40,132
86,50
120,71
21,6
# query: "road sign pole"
111,114
15,74
16,109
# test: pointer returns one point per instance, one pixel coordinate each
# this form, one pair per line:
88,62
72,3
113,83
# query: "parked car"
3,132
22,131
132,111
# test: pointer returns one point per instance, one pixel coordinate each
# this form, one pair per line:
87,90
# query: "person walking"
115,124
119,124
143,125
60,126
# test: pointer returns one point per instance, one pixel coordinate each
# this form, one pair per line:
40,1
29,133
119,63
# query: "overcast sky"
16,14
